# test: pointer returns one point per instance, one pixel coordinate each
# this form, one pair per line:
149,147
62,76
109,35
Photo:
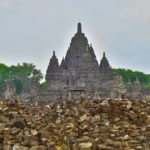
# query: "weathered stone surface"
79,72
95,125
31,89
9,89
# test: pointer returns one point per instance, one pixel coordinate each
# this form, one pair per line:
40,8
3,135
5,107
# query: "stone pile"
104,124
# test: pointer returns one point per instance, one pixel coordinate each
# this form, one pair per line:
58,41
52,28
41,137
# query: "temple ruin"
79,71
81,75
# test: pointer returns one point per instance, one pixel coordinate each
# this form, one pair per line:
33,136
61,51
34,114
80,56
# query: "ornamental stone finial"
53,53
79,30
103,54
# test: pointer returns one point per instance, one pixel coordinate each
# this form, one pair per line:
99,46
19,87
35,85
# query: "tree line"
128,74
22,73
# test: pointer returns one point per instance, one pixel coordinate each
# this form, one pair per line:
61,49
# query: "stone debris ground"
104,124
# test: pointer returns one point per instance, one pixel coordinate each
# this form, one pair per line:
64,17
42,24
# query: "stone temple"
79,71
80,74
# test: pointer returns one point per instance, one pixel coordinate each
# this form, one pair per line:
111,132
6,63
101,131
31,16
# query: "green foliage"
20,74
128,74
19,86
43,86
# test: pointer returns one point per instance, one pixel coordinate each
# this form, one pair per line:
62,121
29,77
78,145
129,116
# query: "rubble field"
103,124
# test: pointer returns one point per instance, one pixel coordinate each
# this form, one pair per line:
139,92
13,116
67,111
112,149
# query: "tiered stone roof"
79,69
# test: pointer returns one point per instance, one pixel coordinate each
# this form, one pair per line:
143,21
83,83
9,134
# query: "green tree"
43,86
20,74
128,74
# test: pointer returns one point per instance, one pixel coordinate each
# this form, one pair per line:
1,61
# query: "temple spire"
103,54
53,53
79,28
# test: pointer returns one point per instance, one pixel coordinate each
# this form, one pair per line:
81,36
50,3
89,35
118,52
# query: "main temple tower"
79,69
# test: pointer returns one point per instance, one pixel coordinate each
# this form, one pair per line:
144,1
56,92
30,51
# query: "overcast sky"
31,29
